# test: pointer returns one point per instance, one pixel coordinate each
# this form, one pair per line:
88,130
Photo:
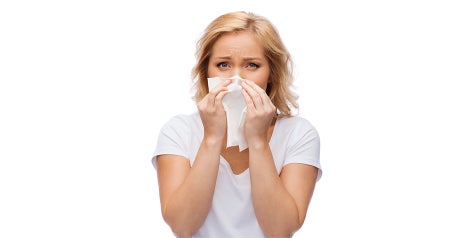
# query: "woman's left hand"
260,112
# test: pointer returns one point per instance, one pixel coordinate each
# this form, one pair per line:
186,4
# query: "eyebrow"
229,57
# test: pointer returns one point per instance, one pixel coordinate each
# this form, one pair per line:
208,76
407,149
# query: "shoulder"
296,140
296,123
181,127
182,120
297,130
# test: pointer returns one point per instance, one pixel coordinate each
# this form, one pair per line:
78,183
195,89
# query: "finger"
248,100
255,87
219,98
262,93
216,91
225,83
254,95
222,84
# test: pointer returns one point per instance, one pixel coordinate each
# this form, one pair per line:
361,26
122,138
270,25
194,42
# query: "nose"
237,72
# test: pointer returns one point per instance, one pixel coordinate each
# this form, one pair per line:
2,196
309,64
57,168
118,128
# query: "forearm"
275,208
188,206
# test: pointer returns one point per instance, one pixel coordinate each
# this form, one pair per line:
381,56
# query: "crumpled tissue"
235,107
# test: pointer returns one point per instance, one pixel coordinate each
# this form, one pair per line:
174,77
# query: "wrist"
212,140
258,143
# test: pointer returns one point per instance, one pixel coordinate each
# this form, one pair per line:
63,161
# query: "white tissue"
235,107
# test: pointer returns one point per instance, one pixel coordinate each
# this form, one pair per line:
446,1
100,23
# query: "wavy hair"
280,62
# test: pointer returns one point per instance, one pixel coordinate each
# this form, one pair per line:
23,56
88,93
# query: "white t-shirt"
294,140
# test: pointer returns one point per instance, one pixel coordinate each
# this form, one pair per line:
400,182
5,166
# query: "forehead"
233,42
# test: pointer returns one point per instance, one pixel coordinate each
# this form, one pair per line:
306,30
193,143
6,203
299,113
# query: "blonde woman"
208,189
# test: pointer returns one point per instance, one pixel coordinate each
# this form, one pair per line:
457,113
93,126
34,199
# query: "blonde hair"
280,62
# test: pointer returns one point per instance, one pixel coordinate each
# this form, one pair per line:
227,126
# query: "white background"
86,86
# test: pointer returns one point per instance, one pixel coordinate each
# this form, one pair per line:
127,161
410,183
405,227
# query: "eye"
253,66
222,65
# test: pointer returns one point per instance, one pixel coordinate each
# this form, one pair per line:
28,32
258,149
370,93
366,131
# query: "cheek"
263,80
213,72
209,72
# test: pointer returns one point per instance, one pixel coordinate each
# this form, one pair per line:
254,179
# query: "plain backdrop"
85,87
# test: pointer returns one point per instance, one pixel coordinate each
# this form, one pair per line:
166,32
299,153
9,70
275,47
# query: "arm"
280,202
186,192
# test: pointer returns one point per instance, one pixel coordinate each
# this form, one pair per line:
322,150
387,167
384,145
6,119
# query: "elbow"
182,231
179,227
285,231
301,221
280,235
182,234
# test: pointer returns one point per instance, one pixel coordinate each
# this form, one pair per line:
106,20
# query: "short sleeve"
173,138
304,146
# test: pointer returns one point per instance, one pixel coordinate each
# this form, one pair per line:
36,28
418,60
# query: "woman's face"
239,54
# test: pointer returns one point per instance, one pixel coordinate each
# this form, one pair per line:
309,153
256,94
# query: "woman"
210,190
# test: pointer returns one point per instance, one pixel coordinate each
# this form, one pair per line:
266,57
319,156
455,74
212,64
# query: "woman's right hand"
212,112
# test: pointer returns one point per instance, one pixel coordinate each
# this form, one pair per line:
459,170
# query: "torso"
239,160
